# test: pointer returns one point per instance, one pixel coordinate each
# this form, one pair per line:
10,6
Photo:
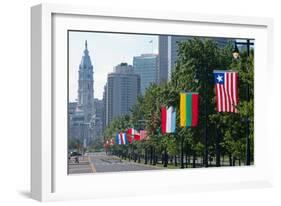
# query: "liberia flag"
189,109
168,115
133,135
226,84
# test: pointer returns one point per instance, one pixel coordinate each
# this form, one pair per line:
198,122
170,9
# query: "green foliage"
74,143
96,145
117,125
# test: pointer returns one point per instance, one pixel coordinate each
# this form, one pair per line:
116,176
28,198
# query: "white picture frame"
49,179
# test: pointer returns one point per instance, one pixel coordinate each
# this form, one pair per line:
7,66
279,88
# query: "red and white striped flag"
226,83
168,118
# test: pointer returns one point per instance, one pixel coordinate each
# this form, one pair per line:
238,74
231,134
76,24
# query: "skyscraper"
145,66
162,72
122,89
97,119
104,95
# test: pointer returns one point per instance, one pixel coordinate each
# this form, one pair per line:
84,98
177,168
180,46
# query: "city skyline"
106,50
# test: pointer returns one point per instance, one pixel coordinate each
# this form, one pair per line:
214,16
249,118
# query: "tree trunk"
165,158
218,149
156,159
145,156
194,160
186,154
230,159
151,155
154,156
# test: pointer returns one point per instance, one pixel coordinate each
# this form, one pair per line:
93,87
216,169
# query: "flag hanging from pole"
189,109
168,115
111,141
118,139
226,84
143,134
133,134
121,138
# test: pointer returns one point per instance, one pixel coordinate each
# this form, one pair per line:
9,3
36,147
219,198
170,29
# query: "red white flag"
226,84
133,135
111,141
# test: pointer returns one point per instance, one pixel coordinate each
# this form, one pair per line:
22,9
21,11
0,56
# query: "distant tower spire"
86,52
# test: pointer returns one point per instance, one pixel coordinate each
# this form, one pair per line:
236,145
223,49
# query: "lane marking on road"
92,165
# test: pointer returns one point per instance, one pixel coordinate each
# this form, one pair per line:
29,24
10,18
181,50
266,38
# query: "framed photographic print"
146,102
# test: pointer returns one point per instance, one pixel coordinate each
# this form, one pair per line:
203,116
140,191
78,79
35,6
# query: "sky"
106,50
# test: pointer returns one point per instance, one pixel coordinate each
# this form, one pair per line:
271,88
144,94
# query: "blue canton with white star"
219,78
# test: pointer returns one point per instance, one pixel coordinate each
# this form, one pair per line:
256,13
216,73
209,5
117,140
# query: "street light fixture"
235,52
236,55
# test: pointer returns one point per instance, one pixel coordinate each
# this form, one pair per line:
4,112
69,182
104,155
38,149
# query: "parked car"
72,154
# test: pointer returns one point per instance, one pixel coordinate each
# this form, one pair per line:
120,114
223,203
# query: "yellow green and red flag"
189,109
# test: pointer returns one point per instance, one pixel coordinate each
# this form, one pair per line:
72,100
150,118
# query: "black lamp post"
236,55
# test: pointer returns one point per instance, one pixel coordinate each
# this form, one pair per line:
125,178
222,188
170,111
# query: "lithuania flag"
189,109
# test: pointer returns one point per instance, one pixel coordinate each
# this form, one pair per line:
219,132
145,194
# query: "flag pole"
248,154
182,166
205,122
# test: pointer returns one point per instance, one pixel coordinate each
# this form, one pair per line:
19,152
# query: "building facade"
122,89
162,72
97,119
146,66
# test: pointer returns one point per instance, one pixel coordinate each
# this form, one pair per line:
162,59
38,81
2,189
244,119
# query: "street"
100,162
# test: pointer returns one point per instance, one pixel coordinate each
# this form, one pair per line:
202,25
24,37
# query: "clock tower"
85,85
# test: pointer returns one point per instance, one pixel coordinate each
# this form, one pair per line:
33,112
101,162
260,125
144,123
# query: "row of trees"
226,132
